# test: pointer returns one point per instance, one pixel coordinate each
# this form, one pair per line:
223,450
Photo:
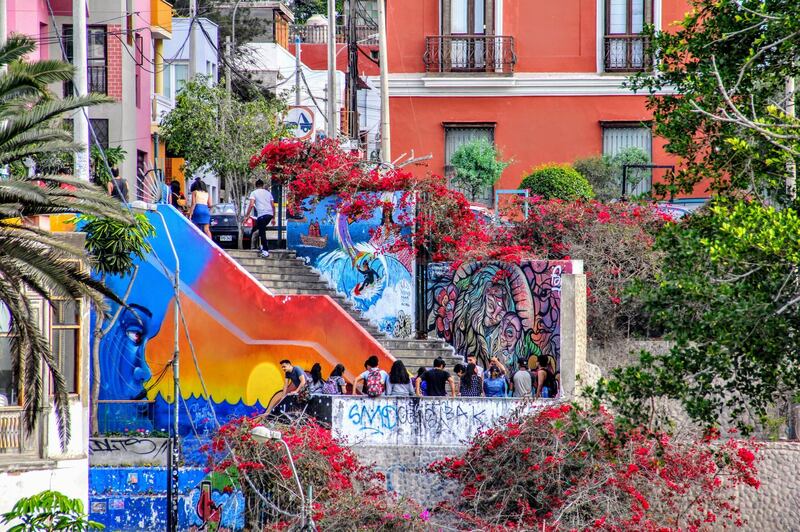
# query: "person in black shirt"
118,187
436,380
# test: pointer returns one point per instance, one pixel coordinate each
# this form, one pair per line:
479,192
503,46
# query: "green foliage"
303,9
114,244
478,166
114,156
557,181
48,511
194,129
604,173
728,297
716,93
32,260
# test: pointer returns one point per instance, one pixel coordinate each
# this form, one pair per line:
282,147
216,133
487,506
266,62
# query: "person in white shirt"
262,201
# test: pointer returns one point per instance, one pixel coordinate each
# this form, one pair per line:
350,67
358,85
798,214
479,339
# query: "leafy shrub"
557,181
567,468
604,173
477,165
48,510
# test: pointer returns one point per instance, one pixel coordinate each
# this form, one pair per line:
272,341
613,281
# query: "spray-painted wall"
358,258
511,311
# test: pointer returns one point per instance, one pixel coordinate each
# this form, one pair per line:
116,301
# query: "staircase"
283,273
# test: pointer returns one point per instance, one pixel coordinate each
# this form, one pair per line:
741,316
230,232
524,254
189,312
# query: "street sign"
300,122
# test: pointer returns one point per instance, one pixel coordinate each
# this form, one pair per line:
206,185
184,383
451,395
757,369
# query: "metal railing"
367,35
627,53
121,416
470,53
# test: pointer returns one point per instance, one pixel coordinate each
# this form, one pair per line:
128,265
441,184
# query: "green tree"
477,165
48,511
718,94
114,156
32,259
604,173
113,245
728,296
557,181
210,131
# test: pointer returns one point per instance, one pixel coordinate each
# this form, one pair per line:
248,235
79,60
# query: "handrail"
493,54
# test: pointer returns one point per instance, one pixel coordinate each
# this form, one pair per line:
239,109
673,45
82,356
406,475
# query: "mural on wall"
511,311
356,257
237,341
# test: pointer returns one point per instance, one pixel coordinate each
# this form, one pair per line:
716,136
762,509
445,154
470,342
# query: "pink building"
122,62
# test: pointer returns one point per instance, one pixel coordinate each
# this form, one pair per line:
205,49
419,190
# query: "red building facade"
541,80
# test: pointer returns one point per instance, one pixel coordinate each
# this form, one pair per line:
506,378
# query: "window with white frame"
625,46
8,381
458,134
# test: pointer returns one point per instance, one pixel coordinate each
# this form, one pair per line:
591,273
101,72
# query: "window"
181,75
65,340
139,51
100,128
168,81
456,135
8,381
96,59
625,48
619,137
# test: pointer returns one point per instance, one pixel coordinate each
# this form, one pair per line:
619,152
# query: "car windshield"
223,208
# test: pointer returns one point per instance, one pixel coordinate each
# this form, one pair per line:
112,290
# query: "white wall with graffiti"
363,259
426,421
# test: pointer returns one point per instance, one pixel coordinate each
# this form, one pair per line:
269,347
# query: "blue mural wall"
135,498
359,258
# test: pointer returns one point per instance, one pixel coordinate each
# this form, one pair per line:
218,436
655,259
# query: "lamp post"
264,434
174,455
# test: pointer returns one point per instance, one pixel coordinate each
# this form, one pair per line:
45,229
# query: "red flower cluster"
565,468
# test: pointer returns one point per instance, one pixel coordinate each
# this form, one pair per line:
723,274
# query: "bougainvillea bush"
567,468
616,243
347,495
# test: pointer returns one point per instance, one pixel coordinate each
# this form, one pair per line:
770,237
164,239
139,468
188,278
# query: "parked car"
224,228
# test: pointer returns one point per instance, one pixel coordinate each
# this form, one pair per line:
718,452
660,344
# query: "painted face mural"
358,258
124,368
497,309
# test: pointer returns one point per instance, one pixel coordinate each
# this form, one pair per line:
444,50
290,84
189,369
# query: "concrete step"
239,253
301,277
271,262
400,343
320,286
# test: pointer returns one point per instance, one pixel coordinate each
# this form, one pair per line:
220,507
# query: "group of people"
471,380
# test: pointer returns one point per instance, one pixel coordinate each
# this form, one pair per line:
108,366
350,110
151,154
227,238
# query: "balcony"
489,54
161,106
366,35
626,53
13,440
161,19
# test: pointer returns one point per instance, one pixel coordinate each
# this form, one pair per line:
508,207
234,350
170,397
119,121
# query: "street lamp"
174,455
264,434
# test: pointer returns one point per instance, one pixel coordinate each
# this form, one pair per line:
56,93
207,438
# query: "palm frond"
16,47
44,71
17,85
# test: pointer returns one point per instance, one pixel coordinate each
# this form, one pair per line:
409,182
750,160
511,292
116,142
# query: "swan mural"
359,260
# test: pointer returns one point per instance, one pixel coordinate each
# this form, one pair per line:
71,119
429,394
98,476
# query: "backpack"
331,387
374,383
551,383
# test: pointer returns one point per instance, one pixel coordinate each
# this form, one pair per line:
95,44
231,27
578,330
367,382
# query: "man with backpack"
373,379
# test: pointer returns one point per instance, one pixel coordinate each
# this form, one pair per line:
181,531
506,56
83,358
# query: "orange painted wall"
530,130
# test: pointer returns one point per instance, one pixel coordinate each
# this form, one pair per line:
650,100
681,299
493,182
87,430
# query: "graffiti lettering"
373,418
555,279
152,448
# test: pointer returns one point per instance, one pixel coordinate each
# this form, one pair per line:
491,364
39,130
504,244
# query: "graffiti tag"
141,446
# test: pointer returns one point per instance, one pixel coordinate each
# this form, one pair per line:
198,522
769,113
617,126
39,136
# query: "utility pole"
297,70
192,37
386,144
3,21
791,165
228,59
332,92
352,69
80,118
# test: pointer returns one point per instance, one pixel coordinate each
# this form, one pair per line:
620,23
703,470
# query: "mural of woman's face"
495,306
123,365
510,332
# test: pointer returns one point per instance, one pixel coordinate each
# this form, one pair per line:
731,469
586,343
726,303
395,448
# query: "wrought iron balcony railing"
470,53
626,53
365,34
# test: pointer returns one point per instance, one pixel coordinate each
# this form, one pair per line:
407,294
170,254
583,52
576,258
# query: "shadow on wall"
236,328
498,309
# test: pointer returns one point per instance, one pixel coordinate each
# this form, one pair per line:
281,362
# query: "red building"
542,80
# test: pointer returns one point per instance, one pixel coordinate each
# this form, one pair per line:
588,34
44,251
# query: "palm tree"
33,260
